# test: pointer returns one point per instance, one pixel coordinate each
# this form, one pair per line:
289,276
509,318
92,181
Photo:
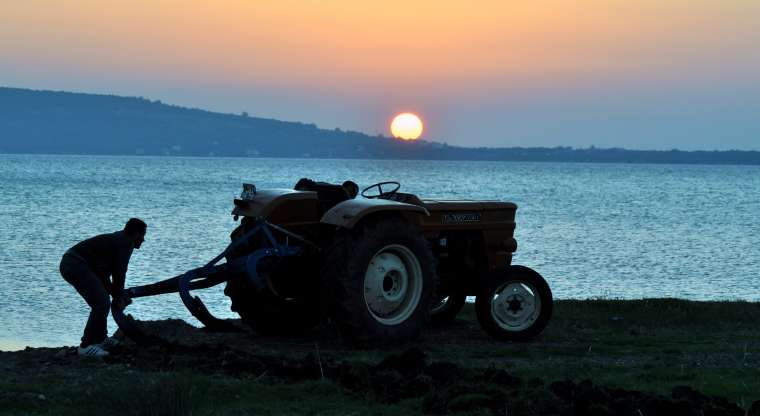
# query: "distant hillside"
62,122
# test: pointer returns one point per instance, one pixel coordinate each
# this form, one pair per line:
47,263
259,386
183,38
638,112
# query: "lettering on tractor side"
464,217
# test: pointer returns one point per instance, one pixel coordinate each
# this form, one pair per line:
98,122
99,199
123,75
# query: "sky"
644,74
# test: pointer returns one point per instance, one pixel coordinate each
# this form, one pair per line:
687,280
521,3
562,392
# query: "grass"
653,345
649,345
183,393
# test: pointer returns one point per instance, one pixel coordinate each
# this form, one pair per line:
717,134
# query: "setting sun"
406,126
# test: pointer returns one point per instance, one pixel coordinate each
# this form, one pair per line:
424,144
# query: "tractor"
380,264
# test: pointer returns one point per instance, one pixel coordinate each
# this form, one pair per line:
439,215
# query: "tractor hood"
266,201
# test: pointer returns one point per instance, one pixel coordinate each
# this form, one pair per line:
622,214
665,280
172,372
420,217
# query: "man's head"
135,231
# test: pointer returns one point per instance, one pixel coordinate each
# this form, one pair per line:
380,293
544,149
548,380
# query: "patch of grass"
168,394
650,345
185,394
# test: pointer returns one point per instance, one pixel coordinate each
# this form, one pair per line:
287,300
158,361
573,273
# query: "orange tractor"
380,264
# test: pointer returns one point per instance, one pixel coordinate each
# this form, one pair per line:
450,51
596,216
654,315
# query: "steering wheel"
380,192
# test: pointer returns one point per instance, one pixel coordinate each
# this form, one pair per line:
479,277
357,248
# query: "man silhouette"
87,266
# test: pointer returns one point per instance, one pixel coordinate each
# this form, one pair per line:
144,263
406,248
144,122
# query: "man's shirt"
107,255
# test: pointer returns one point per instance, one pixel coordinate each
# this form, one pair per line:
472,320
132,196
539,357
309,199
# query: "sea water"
593,230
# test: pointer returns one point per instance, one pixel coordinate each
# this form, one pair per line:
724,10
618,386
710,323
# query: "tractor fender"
348,213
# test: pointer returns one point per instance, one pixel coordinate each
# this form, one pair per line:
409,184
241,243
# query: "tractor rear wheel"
264,311
514,304
268,314
380,279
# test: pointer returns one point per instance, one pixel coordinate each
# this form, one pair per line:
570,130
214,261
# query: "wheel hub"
515,306
393,284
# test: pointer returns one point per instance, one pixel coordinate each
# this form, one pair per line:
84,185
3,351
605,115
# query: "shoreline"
296,158
15,345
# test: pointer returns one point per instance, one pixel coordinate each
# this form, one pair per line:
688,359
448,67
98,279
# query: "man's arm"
123,253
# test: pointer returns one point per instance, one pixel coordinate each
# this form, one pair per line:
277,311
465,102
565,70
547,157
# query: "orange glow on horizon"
344,45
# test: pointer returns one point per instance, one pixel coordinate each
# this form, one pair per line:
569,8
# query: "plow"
381,266
207,276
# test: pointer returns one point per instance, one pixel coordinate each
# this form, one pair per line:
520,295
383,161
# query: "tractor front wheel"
514,305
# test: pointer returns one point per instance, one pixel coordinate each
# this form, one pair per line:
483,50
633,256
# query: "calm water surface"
593,230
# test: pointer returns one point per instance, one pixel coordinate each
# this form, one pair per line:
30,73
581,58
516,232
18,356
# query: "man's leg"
90,287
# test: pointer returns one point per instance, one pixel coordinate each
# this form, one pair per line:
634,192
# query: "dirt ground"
449,370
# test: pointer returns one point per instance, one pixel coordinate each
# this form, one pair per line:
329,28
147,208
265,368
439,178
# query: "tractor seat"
328,194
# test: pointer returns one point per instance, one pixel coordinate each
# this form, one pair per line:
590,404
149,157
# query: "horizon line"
380,135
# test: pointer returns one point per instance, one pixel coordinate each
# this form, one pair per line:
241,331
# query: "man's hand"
122,302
